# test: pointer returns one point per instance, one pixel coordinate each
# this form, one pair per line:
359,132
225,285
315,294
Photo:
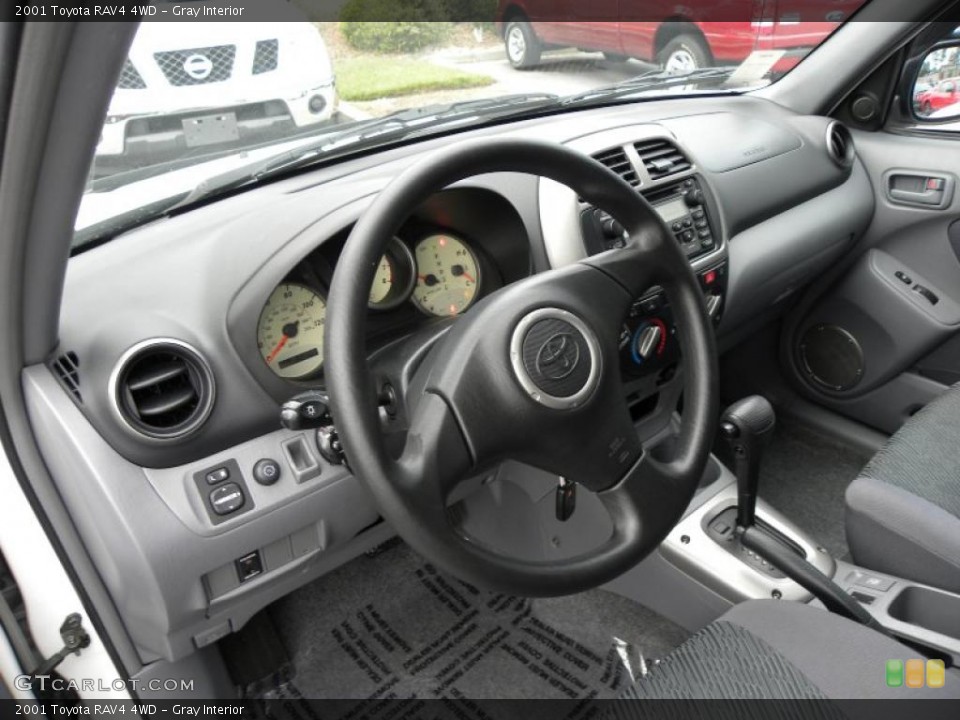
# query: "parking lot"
563,72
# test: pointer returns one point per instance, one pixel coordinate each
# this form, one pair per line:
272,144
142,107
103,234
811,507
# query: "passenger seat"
903,511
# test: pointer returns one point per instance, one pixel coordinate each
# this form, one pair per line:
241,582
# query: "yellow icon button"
936,673
914,673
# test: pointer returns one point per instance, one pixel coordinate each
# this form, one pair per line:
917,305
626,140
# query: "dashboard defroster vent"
662,158
163,389
840,145
67,368
616,159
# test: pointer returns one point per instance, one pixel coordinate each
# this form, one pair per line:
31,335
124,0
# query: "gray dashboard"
783,210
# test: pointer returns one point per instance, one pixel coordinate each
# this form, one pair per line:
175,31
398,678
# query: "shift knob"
747,426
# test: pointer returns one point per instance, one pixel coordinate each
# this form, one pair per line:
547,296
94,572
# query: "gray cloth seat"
903,511
770,650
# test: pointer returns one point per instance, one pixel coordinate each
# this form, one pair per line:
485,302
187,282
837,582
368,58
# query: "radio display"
673,210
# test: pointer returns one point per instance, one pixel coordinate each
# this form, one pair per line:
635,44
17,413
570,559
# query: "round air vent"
832,358
163,389
840,145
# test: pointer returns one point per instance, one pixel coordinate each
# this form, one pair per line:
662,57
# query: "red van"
680,38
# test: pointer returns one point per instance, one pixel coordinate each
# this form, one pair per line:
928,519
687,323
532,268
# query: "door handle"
919,189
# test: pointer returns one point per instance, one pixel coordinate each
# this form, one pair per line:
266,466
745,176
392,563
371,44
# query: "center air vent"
164,389
616,159
840,145
661,158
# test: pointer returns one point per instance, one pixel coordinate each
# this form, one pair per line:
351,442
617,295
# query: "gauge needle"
459,271
276,351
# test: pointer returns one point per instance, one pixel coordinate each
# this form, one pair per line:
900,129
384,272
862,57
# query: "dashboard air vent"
164,389
840,145
616,159
661,158
67,368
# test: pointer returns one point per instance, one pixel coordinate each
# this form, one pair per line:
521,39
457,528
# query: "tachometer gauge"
394,279
290,332
448,276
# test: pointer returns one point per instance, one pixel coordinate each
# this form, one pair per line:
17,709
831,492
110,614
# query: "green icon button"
894,673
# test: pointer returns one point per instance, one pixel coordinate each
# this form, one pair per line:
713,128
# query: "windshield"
203,107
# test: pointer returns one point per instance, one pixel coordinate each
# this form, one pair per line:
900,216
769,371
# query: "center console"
921,616
649,349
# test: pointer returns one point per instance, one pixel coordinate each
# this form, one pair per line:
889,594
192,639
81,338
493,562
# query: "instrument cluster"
441,276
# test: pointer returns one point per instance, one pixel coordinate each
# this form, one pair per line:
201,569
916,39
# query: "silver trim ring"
204,410
523,377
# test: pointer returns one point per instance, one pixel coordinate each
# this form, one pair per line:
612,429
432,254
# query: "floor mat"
393,626
804,475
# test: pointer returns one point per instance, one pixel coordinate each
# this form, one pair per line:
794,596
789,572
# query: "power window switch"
926,294
903,277
249,566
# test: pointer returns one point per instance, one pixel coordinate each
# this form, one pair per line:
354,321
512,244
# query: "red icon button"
710,277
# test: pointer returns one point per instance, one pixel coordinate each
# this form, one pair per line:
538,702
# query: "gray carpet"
804,475
392,626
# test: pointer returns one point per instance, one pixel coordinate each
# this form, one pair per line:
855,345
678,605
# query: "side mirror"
935,87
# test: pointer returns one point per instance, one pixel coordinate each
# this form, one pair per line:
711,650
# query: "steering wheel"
530,373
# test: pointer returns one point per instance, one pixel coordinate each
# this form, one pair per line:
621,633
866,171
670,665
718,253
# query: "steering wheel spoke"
435,458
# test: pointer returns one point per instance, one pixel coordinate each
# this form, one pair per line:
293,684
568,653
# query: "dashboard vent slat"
616,159
177,401
67,367
156,375
164,390
662,158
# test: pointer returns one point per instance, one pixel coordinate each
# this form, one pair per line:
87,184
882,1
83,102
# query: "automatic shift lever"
747,426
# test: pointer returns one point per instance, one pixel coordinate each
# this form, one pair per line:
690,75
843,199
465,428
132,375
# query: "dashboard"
181,340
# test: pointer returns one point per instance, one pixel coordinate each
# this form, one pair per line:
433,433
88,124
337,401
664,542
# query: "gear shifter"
747,426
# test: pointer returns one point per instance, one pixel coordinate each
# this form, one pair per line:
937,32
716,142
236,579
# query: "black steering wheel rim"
644,496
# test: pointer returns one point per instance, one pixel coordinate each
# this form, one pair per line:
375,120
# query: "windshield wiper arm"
653,80
365,134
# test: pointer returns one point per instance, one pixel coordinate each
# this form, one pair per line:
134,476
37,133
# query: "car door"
880,337
590,26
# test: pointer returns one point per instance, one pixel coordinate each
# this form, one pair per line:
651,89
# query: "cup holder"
933,610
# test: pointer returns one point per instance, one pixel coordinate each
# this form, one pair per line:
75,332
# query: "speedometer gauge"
290,332
448,276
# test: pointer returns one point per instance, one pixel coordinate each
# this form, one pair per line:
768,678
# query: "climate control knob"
694,198
647,342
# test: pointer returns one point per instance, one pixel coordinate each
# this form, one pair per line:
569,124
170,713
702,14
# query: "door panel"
884,340
581,27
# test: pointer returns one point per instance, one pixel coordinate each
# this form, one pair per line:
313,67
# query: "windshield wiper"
402,125
653,80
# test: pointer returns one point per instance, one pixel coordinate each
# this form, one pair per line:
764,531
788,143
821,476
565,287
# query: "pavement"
562,72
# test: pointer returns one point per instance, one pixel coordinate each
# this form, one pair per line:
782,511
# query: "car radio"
682,208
